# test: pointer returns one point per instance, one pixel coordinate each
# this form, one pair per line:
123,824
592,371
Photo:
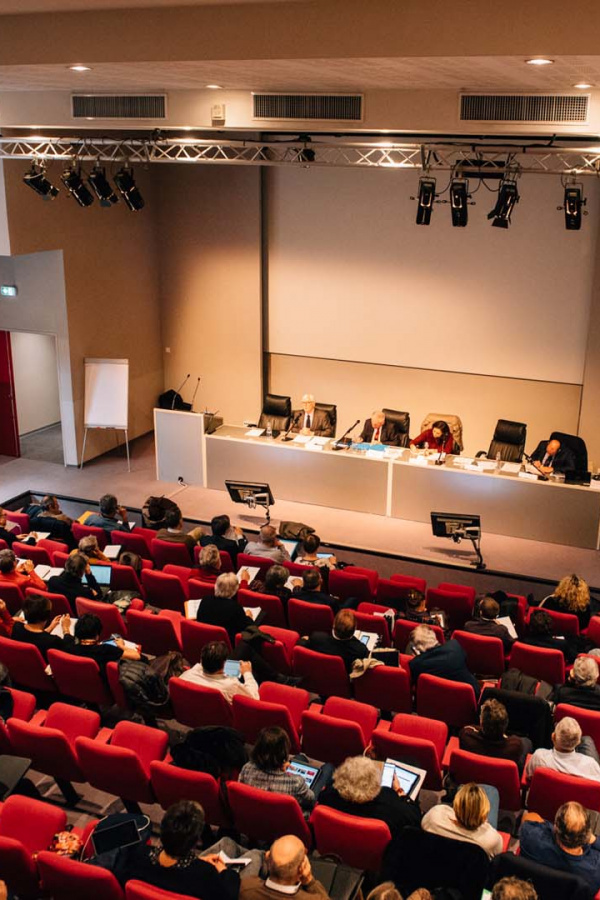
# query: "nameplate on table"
255,432
302,439
528,476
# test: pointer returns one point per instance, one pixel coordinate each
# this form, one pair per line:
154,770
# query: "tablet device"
232,668
123,834
309,773
410,778
102,574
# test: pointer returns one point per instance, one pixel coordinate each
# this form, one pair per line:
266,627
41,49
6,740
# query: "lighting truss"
459,156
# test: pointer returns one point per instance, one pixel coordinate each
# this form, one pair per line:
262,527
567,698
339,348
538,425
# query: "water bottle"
498,461
269,431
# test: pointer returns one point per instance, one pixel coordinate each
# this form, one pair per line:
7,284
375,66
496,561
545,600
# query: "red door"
9,429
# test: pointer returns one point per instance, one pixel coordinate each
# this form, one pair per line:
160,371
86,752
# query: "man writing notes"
377,431
551,456
312,421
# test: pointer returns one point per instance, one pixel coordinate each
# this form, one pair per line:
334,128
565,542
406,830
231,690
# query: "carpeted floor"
44,445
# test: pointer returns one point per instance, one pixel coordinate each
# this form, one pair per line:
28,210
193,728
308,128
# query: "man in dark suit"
377,431
312,421
225,537
341,642
486,624
312,590
551,456
447,660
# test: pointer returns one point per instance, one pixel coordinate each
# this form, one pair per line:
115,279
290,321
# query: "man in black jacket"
581,687
341,642
312,590
377,431
70,582
551,456
447,660
486,624
224,537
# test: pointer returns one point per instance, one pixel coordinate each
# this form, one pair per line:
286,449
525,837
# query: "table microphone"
180,388
195,392
341,443
295,419
539,474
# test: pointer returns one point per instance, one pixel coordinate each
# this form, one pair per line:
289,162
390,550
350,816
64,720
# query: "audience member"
38,625
89,548
9,536
551,456
489,738
209,563
487,625
21,574
225,536
568,845
133,560
416,610
511,888
581,687
223,609
309,555
275,584
312,590
571,595
563,757
289,873
111,517
210,672
48,516
268,768
6,620
357,791
341,641
438,437
70,582
173,531
389,891
540,633
88,629
467,818
447,660
268,545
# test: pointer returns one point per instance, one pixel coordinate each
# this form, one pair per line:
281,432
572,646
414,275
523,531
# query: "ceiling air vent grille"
119,106
315,107
551,108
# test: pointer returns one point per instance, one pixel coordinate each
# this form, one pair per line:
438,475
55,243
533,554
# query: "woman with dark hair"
309,555
438,437
540,633
268,768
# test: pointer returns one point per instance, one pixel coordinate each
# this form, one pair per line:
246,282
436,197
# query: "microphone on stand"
295,419
539,474
181,386
195,392
342,443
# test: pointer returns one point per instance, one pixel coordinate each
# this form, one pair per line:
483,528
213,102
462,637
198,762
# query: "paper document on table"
372,453
191,607
461,462
112,551
393,452
302,439
482,465
46,572
252,573
528,475
255,432
508,624
511,467
418,461
319,441
58,629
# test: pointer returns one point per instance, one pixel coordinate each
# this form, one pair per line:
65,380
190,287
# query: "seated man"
377,431
312,590
447,660
173,531
581,687
563,757
39,624
486,624
111,517
48,516
312,421
21,574
9,536
225,536
211,673
289,874
341,642
70,582
268,546
569,845
415,610
489,738
550,457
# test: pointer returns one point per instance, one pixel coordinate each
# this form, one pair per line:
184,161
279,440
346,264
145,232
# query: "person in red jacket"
438,437
6,620
21,574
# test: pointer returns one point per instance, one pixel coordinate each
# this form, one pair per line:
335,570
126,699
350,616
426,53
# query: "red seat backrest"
357,841
195,635
549,790
539,662
64,877
457,606
485,655
251,716
449,701
195,705
503,774
308,617
386,687
263,815
325,675
403,630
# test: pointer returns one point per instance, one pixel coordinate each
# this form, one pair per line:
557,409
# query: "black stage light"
102,187
459,198
426,200
573,203
508,195
36,179
127,188
72,180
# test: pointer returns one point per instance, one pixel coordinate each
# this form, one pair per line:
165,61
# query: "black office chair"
577,447
278,411
401,423
508,440
550,884
331,408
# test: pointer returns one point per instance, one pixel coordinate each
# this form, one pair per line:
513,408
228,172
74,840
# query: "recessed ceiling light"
582,85
80,68
214,87
539,61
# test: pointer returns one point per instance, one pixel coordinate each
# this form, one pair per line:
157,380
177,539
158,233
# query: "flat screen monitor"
446,524
241,491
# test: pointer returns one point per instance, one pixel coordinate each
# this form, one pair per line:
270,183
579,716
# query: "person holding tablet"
269,768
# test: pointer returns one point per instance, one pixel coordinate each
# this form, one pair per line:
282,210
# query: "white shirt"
441,820
228,686
568,763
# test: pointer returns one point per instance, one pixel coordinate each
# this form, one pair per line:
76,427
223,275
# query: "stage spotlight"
426,200
37,181
508,195
573,203
127,188
459,198
102,187
72,180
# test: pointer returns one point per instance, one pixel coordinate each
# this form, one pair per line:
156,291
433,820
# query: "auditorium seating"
308,617
79,678
264,816
156,634
347,585
549,789
195,635
79,531
164,591
60,604
250,716
416,740
546,665
324,675
403,630
171,783
26,666
277,410
27,826
195,705
64,877
456,604
503,774
169,553
508,440
357,841
386,687
132,541
485,655
270,605
448,701
343,728
562,623
587,718
109,615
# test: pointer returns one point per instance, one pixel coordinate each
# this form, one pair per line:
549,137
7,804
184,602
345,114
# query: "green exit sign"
8,290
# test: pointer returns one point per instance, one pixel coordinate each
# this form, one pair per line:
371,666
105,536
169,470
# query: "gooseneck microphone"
181,386
342,442
195,391
295,419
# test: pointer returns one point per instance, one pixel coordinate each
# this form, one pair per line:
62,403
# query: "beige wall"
210,249
589,423
359,388
36,380
110,284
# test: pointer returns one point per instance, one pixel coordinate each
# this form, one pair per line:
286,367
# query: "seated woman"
70,582
467,818
489,738
6,620
309,555
268,768
416,609
88,629
357,790
571,595
38,625
540,633
9,536
438,437
209,564
21,574
88,547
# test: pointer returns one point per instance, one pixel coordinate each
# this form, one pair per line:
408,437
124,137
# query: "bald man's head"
572,826
285,859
